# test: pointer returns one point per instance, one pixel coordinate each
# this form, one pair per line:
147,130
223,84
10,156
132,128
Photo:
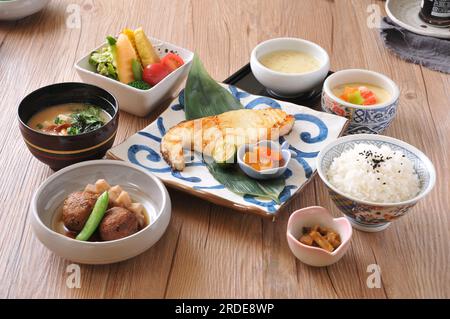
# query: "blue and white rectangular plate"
312,131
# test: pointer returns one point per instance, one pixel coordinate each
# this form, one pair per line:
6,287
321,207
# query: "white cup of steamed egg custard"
289,67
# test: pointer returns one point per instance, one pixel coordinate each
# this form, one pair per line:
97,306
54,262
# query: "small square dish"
132,100
312,131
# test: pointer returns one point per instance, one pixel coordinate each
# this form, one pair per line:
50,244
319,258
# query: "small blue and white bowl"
367,119
267,173
371,216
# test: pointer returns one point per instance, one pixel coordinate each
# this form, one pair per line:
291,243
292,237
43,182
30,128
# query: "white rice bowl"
375,174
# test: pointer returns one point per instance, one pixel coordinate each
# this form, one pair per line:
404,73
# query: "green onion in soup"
69,119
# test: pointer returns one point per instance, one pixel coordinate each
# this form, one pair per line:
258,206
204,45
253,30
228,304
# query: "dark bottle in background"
435,12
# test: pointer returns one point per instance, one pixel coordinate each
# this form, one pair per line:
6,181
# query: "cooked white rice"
376,174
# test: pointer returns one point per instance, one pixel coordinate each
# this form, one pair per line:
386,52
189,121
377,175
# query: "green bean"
95,218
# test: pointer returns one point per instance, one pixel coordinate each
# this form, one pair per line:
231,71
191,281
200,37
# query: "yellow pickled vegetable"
145,48
130,34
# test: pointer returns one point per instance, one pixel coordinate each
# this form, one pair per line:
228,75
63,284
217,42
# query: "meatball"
77,208
118,223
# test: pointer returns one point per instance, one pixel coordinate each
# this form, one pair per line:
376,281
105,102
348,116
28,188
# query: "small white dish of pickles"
264,160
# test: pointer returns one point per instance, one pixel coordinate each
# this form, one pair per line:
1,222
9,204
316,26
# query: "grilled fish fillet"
235,127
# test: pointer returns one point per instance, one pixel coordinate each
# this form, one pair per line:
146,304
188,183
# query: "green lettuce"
103,60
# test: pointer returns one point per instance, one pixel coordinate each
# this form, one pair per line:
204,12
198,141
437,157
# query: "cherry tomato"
172,61
155,73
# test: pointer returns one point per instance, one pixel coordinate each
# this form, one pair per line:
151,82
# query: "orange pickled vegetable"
262,158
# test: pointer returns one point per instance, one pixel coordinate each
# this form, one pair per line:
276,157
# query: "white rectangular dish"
131,100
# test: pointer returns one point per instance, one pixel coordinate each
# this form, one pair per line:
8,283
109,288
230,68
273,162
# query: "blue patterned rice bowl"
366,215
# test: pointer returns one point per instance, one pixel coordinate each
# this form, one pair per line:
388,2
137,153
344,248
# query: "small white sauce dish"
267,173
289,84
132,100
142,186
18,9
309,217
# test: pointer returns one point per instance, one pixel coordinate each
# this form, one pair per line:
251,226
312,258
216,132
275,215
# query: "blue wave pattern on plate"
153,156
150,158
263,101
238,94
161,128
306,136
180,105
150,136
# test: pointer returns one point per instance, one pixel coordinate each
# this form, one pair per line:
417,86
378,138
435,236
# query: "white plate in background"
405,13
18,9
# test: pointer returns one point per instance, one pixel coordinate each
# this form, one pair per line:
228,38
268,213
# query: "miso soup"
69,119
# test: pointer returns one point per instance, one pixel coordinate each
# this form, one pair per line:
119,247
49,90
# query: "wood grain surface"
210,251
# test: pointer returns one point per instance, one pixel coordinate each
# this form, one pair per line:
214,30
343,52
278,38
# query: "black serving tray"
245,80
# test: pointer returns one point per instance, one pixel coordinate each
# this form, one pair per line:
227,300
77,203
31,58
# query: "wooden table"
210,251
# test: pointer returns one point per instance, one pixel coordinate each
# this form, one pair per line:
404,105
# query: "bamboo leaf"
237,182
204,96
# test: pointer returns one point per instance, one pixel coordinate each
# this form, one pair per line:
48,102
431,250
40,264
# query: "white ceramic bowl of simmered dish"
18,9
364,119
289,67
142,187
132,100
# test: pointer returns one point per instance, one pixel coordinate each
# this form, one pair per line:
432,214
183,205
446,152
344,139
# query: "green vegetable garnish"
86,120
137,70
101,205
356,98
58,121
141,85
105,59
225,154
113,48
73,131
40,126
